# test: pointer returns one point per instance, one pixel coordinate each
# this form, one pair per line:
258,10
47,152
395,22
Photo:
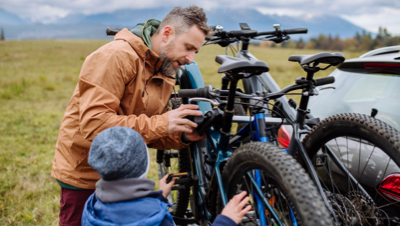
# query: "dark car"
369,85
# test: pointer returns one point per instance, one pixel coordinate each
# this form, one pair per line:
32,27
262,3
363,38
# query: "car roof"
380,51
386,58
389,54
383,60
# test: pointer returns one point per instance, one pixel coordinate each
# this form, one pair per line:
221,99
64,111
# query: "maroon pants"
72,203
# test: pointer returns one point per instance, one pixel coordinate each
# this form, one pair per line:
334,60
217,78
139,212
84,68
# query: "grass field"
37,79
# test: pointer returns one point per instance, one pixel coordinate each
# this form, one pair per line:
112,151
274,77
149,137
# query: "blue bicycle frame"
191,78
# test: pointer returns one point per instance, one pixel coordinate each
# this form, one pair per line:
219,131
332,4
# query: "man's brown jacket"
118,86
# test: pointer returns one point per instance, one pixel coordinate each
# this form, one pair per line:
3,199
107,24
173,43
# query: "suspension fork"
260,135
264,201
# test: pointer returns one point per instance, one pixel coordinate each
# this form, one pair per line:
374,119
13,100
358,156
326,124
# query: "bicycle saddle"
235,65
324,57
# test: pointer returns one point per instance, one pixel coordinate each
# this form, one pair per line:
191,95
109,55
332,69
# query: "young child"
124,196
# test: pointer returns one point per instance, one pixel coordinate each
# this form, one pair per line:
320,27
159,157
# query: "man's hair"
183,19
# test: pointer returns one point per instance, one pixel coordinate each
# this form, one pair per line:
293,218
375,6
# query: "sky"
368,14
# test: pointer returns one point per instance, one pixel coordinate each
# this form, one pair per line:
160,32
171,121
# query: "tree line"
360,42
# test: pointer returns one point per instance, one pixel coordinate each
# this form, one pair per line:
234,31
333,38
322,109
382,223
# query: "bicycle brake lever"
326,87
213,103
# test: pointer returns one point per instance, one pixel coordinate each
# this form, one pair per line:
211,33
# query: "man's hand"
166,187
234,209
176,122
194,136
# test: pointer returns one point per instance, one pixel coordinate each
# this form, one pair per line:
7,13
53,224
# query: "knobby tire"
280,173
373,137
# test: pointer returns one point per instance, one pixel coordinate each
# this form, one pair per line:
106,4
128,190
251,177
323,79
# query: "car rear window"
360,92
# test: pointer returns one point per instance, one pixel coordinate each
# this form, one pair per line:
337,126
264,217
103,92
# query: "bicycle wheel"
284,184
174,161
369,151
177,162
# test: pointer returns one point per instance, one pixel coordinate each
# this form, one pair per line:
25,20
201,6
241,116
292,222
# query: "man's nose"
190,58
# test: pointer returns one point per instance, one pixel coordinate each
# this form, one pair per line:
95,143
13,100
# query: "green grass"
37,81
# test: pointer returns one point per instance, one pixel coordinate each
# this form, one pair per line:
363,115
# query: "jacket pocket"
79,149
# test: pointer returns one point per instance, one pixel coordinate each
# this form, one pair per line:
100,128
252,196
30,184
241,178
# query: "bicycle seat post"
229,110
306,93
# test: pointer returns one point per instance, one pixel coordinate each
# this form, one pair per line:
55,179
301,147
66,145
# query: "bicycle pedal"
179,175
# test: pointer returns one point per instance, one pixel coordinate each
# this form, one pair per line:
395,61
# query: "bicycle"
363,130
335,198
269,164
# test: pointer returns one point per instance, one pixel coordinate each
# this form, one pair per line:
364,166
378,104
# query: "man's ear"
167,33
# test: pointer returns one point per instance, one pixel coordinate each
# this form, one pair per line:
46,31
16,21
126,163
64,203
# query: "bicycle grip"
295,31
324,81
112,31
200,92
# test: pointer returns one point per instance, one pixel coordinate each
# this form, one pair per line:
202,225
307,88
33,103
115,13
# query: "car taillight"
389,188
381,66
283,137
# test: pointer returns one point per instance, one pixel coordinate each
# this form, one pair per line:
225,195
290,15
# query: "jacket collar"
146,30
144,52
122,190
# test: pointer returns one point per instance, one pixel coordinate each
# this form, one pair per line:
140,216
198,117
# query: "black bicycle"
225,163
356,157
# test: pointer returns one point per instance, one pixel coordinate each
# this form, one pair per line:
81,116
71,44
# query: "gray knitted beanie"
119,153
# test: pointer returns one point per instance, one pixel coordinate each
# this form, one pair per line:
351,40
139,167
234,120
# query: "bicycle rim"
368,149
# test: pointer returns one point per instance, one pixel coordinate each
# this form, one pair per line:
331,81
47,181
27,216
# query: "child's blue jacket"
148,210
131,202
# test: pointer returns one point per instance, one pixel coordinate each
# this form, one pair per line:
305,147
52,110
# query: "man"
127,82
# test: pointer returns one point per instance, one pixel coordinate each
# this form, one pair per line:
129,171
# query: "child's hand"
234,209
166,187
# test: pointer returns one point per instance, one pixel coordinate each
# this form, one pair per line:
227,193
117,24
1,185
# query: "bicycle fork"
261,135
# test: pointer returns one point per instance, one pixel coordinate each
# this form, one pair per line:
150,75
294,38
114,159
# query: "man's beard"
167,68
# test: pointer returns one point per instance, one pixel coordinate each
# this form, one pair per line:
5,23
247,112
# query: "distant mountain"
55,31
9,18
93,26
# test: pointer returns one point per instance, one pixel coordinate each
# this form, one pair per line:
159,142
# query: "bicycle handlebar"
200,92
112,31
224,38
284,32
324,81
255,33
